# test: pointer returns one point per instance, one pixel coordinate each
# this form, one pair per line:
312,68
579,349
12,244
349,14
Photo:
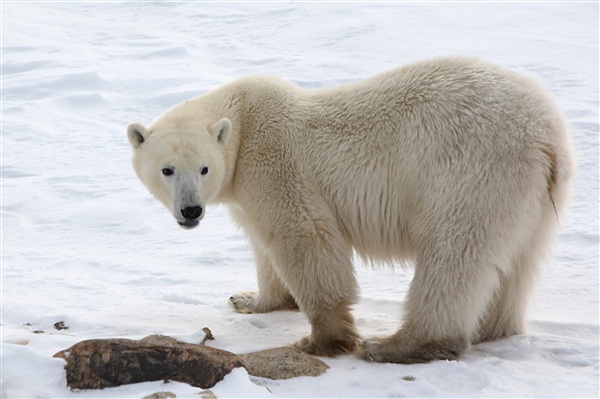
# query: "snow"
84,243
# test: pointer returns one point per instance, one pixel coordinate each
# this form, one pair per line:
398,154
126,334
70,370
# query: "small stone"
208,394
60,325
282,363
409,378
161,395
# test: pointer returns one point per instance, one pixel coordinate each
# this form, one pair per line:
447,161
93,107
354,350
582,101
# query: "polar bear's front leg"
272,294
304,245
315,263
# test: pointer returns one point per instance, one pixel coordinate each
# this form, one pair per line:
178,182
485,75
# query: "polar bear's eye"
167,171
204,170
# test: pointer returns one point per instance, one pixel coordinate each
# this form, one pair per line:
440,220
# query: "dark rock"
102,363
60,325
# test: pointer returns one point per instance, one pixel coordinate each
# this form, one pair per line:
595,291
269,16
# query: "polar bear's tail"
561,167
553,178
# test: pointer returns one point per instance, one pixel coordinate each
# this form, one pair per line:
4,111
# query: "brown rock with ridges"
102,363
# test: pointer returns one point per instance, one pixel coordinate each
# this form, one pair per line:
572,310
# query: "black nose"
191,212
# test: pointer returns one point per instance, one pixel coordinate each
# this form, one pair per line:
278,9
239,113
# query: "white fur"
455,165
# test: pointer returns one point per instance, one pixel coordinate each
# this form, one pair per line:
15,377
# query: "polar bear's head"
181,164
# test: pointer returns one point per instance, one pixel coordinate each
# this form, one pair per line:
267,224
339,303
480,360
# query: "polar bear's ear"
137,134
221,130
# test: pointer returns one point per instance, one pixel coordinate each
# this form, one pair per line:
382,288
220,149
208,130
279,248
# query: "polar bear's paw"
253,302
333,346
398,349
243,302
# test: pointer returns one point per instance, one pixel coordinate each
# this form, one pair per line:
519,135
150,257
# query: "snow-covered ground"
84,243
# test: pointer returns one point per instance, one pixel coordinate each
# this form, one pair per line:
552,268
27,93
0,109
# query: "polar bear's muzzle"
191,216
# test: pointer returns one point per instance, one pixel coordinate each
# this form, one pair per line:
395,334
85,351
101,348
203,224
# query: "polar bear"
457,166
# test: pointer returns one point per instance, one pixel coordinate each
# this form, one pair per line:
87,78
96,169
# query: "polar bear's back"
458,95
432,143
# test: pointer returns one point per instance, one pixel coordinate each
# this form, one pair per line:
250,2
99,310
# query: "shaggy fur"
457,166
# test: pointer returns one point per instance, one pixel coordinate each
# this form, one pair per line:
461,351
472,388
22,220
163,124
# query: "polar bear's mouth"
188,223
